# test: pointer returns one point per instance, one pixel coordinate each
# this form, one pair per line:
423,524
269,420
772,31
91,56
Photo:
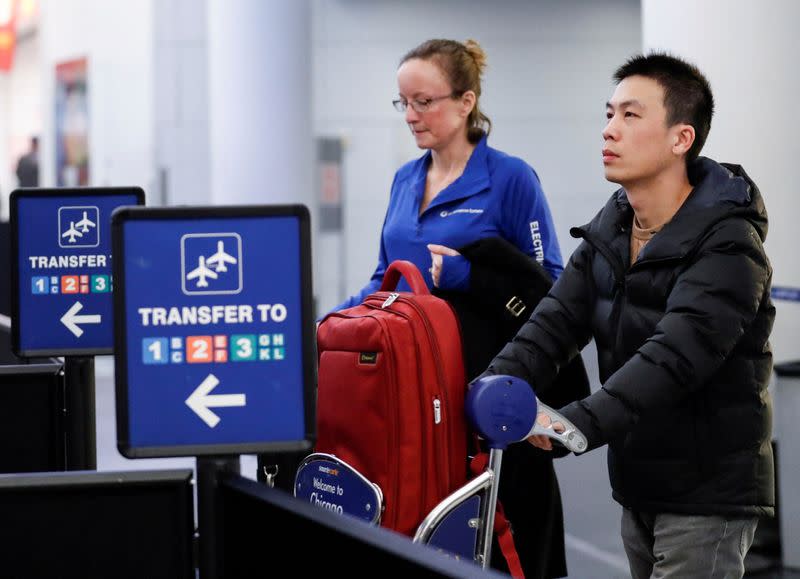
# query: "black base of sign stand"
79,403
210,470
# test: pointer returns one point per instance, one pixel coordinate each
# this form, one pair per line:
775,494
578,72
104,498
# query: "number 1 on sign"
41,285
154,350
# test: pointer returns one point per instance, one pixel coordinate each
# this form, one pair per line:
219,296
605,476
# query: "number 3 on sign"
243,347
198,349
101,284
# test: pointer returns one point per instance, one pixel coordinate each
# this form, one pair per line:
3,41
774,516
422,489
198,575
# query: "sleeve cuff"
576,413
455,273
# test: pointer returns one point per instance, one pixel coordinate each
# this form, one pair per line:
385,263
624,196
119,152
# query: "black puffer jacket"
682,339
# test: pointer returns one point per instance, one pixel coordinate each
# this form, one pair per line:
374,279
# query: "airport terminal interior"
159,147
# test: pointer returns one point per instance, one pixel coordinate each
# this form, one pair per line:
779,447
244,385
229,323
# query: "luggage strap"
502,528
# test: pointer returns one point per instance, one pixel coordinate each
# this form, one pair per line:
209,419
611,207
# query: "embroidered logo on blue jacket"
456,211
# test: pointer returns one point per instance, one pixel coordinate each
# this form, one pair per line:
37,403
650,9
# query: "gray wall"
181,110
545,89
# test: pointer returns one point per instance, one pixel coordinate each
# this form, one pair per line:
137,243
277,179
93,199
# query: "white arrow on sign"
71,319
201,400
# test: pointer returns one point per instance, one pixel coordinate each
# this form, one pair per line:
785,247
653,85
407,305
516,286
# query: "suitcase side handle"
409,271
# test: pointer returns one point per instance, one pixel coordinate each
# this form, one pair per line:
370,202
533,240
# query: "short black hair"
687,92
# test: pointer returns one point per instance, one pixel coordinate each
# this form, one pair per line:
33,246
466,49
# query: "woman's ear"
468,100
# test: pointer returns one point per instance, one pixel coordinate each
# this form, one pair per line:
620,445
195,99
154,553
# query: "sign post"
79,400
61,292
214,353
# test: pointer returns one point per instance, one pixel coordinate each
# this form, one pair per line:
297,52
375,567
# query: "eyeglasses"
419,105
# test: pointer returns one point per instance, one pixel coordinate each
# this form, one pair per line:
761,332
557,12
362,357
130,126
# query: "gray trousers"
661,545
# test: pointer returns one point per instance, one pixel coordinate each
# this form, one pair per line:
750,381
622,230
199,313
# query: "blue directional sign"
214,334
61,269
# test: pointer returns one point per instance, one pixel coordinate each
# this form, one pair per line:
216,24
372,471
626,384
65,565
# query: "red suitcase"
391,395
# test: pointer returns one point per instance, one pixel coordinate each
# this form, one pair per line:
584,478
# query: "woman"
461,189
463,194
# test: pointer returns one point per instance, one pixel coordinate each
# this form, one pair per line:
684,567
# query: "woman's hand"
437,251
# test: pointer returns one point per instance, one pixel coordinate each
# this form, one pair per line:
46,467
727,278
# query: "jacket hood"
721,191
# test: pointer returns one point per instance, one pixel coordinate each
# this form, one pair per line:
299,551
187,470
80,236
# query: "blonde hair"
463,65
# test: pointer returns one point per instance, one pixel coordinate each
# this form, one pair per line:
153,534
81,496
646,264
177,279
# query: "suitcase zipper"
437,411
390,300
440,446
440,440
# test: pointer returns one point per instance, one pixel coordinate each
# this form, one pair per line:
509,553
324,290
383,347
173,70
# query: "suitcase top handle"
409,271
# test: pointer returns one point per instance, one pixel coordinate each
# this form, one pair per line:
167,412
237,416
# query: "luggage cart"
502,410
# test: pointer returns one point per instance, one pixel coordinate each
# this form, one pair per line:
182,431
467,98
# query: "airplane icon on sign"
71,233
84,226
217,260
201,272
85,223
220,258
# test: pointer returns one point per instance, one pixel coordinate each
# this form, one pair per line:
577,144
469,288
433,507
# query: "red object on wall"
8,37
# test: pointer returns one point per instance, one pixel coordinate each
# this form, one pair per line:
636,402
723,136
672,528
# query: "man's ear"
683,139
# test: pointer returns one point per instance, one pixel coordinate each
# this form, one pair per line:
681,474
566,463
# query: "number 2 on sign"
69,284
198,349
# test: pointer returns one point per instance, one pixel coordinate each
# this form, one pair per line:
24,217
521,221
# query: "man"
28,166
672,282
